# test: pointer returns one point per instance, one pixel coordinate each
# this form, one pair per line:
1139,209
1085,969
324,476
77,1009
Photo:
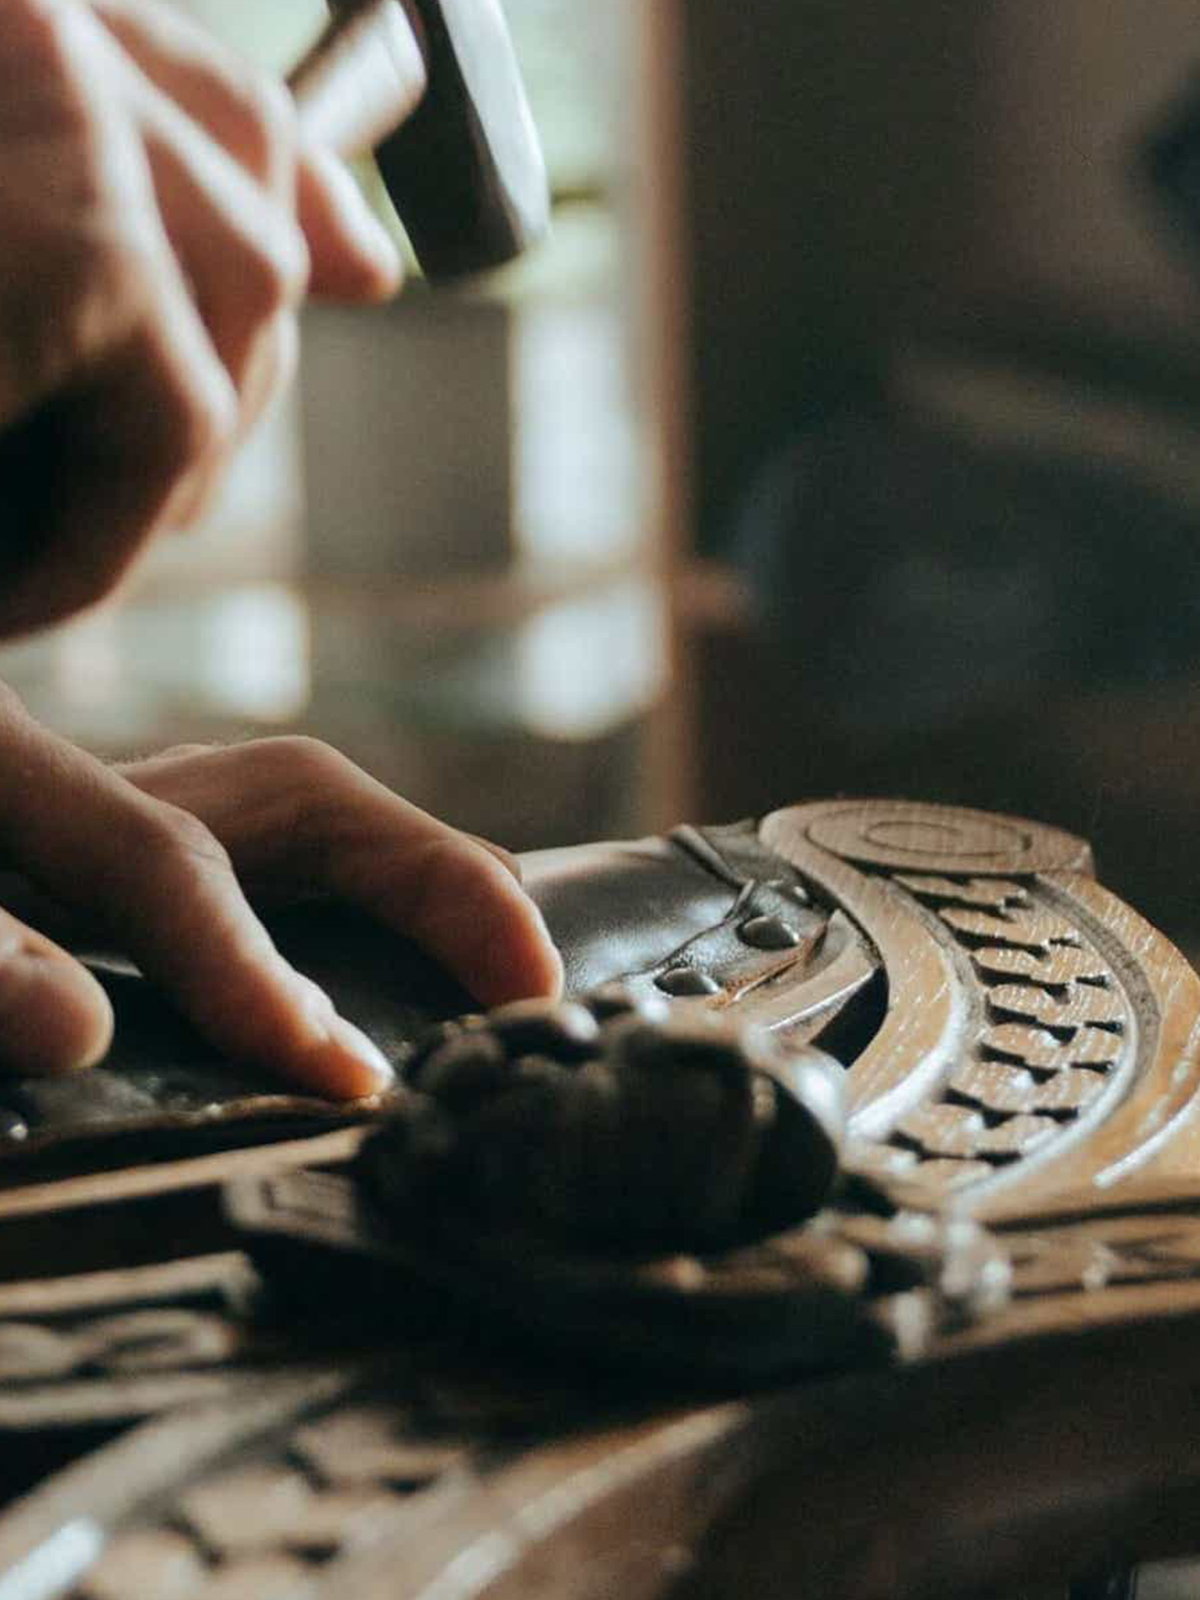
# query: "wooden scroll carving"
1039,1033
980,1352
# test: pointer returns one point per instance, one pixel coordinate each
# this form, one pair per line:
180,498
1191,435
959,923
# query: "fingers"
244,256
252,116
152,262
93,476
248,112
459,901
134,400
166,889
239,247
299,818
223,145
139,852
54,1017
352,254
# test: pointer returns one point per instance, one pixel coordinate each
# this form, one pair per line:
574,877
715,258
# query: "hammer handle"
365,75
434,88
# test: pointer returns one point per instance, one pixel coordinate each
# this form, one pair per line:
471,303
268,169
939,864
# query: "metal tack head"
683,983
768,933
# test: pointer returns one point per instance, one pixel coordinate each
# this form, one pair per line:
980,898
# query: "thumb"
54,1017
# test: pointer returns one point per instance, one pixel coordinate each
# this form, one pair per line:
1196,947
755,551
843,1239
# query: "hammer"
434,88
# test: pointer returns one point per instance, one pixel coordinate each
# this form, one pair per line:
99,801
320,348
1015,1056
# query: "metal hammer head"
466,171
454,140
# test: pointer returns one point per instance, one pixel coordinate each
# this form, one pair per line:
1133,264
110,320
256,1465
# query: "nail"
355,1043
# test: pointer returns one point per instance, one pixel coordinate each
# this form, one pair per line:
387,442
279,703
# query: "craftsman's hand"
159,222
162,855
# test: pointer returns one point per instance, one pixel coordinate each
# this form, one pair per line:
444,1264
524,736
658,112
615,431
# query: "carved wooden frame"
1035,1067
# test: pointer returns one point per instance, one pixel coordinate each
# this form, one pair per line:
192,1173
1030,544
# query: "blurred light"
587,666
87,665
273,35
239,652
576,490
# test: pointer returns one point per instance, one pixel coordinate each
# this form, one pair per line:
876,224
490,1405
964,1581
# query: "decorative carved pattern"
341,1488
1038,1031
605,1123
115,1346
148,1340
1139,1242
849,1290
1056,1030
342,1478
380,1487
294,1501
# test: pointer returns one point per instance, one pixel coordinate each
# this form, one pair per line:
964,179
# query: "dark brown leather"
618,908
639,910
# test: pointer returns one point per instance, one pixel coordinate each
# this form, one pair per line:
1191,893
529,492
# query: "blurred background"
845,438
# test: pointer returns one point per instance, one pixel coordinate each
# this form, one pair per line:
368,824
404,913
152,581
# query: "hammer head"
465,171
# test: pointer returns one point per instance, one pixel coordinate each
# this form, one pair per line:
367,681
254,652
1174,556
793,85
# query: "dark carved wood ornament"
839,1235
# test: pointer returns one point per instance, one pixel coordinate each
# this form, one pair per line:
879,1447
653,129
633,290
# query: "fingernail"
379,1075
58,1020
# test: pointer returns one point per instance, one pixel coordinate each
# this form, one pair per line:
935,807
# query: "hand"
160,222
162,854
